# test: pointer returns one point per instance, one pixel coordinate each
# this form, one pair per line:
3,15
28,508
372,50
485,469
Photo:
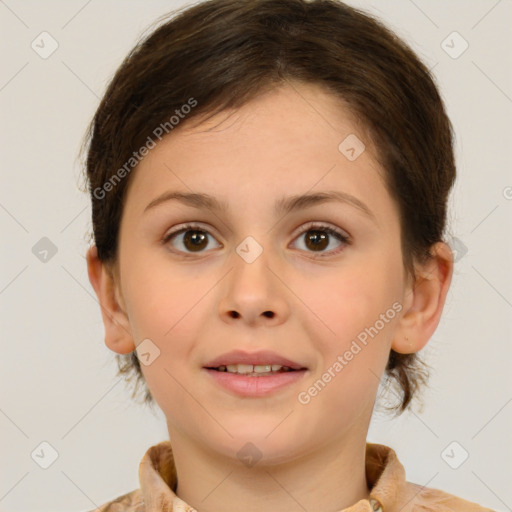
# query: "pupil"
196,239
318,239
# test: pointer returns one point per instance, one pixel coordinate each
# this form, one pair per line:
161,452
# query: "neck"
330,478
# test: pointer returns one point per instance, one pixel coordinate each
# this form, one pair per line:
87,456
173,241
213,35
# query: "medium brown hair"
223,53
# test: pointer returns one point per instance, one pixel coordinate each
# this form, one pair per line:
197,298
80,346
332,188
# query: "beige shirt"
385,475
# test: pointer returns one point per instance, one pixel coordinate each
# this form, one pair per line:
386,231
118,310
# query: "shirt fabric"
385,475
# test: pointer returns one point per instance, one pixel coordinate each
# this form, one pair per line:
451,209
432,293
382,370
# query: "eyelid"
321,225
188,226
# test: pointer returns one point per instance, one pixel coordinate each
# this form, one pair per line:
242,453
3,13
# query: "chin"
259,445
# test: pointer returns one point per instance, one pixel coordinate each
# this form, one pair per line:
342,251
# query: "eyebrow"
282,206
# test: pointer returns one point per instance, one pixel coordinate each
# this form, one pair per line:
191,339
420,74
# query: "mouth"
249,370
261,362
254,374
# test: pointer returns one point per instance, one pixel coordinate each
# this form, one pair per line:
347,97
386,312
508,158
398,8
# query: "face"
321,285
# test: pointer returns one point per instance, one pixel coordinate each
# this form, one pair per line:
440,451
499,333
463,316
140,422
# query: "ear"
424,301
117,327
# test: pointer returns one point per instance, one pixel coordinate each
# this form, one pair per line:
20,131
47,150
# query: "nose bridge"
251,276
253,293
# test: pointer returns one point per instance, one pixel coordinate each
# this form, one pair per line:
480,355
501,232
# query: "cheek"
166,305
354,299
161,297
170,312
357,311
362,313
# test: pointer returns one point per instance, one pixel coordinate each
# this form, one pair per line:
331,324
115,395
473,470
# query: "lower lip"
255,386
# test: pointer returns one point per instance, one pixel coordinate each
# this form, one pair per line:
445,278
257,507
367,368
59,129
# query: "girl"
269,183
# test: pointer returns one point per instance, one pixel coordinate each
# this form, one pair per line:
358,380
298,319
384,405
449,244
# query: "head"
252,102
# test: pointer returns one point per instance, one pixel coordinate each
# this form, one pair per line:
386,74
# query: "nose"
254,294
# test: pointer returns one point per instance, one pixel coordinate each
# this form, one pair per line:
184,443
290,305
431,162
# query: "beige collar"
385,476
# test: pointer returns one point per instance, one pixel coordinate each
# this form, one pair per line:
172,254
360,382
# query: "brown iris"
195,240
317,239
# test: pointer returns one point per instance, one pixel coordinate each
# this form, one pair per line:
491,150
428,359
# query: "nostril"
235,314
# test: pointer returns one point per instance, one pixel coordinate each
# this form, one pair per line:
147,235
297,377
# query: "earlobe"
425,301
115,320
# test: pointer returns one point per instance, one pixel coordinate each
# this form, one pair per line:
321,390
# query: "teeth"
259,369
240,368
263,368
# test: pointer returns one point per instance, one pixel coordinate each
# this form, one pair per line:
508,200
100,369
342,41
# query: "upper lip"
255,358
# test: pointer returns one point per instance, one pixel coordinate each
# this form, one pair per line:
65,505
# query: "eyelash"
341,236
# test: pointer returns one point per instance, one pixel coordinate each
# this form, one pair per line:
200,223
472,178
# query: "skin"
312,455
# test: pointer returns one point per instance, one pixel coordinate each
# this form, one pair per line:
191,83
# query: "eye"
195,239
319,236
191,238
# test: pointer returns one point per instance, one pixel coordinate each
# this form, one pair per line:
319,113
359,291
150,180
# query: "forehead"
281,117
291,140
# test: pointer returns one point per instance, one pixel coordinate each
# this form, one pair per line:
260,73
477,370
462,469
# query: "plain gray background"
58,382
